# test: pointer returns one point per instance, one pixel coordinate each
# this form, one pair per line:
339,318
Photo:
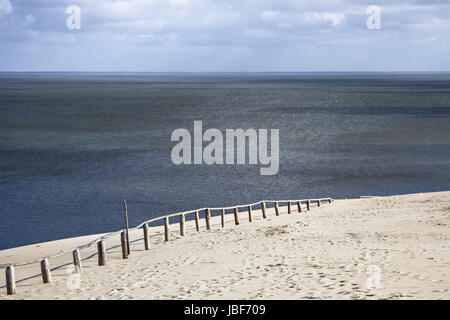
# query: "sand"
394,247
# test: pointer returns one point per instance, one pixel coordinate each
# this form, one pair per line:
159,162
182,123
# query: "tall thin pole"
126,224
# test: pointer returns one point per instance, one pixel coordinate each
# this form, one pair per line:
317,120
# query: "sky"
224,35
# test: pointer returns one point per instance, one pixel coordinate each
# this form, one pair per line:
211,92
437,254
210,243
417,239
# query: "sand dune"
377,248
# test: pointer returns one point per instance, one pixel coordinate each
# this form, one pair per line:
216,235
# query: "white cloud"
5,5
29,19
275,31
335,18
270,15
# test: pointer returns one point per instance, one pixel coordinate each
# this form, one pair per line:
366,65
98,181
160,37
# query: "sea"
74,145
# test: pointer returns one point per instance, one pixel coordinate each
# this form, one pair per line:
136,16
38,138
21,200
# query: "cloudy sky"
224,35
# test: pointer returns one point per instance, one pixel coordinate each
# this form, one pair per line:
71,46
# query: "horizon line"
230,72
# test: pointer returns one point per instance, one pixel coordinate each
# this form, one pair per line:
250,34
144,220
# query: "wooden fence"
124,239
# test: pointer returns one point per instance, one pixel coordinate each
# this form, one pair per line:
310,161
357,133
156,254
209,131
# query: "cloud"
335,18
5,5
29,19
224,34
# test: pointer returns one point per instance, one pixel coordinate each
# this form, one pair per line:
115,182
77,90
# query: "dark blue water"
72,146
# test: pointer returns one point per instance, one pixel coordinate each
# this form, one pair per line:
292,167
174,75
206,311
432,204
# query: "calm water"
72,146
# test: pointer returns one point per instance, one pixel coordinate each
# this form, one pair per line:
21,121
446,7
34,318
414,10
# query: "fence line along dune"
125,240
370,248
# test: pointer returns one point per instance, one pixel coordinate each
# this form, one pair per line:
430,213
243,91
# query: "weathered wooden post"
263,207
10,280
45,270
249,208
197,222
277,210
308,204
236,216
289,207
299,206
181,224
223,218
126,224
146,238
77,261
166,229
208,219
318,203
101,252
123,242
329,200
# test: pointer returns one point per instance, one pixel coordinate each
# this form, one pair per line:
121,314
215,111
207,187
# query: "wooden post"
263,206
223,218
182,225
197,224
329,200
166,229
308,204
289,207
277,210
208,219
10,280
123,242
126,224
318,203
77,261
45,270
236,217
146,238
249,208
299,206
101,251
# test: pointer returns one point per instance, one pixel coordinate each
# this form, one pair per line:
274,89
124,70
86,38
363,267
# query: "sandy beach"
395,247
